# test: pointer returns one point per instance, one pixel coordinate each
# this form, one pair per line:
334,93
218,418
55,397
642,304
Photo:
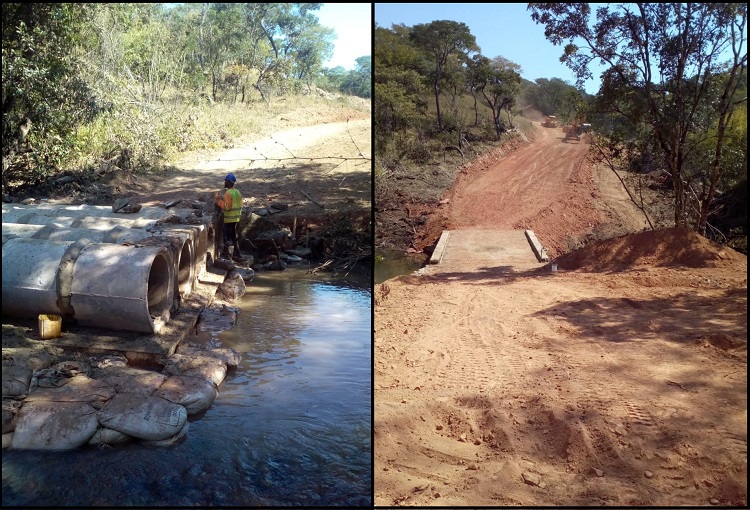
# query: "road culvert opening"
158,293
185,267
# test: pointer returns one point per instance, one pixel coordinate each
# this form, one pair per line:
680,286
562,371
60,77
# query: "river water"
291,426
389,264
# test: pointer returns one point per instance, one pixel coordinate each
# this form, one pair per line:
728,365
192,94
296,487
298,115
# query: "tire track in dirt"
519,186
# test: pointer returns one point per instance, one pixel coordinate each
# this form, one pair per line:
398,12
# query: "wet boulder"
233,287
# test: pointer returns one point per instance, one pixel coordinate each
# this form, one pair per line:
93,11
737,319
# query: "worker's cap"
230,178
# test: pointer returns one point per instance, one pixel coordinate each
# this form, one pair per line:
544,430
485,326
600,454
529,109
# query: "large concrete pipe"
23,230
181,244
11,211
58,233
123,287
102,223
39,219
30,270
128,288
94,222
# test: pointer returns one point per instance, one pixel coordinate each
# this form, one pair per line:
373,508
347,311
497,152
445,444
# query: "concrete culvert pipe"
211,245
101,285
127,288
106,223
181,245
199,237
40,219
102,211
92,222
30,276
57,233
21,229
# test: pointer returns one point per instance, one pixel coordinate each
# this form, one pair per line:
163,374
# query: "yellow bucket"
49,326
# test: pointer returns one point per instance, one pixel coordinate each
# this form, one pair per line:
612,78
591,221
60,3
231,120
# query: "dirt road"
315,157
619,379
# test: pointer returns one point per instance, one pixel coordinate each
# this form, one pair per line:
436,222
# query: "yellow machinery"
576,128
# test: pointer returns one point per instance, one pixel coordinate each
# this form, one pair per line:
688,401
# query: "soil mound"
665,247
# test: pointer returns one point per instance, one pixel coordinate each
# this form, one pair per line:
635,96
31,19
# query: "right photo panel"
560,283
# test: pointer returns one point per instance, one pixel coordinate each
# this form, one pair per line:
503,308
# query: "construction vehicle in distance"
576,129
550,121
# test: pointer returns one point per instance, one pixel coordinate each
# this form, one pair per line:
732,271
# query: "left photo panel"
187,263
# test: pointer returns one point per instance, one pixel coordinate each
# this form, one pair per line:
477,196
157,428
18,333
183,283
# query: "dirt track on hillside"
618,380
315,169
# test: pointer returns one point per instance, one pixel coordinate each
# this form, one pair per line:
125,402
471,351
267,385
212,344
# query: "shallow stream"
291,426
389,264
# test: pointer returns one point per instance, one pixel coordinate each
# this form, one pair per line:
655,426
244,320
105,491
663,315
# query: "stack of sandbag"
125,379
194,393
151,419
225,354
60,411
209,368
195,372
16,380
10,418
73,403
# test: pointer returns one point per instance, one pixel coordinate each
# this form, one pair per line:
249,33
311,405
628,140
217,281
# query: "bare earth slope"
619,379
313,157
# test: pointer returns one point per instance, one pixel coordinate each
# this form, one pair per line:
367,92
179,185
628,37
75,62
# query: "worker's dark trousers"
230,236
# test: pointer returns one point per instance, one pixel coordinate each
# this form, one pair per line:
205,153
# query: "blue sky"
505,30
353,26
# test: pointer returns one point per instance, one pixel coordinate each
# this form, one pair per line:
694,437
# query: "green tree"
669,55
442,39
548,95
399,84
44,97
498,80
359,81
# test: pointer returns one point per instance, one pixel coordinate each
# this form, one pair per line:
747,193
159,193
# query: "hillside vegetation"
91,87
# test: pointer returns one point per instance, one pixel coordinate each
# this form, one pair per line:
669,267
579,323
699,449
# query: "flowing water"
292,424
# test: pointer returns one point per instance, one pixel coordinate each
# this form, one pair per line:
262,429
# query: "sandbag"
105,437
170,440
16,380
10,414
80,388
126,379
229,356
205,367
150,418
225,354
72,368
58,374
193,393
48,425
107,360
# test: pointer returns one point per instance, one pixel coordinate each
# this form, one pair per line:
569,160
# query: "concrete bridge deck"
478,249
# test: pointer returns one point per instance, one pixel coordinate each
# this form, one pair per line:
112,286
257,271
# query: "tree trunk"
437,105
